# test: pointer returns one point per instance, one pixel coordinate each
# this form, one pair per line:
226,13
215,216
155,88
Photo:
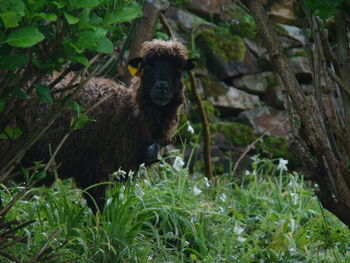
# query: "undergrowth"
164,215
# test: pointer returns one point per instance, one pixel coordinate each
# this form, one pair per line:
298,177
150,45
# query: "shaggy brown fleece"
125,124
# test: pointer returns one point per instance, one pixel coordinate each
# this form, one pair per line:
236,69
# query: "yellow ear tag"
132,70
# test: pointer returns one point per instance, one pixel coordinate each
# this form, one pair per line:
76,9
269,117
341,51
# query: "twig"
338,80
23,225
250,146
10,257
205,126
14,200
203,116
166,25
40,252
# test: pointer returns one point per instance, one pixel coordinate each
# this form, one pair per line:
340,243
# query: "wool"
124,126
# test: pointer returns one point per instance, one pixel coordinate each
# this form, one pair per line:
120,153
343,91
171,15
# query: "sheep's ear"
135,66
189,64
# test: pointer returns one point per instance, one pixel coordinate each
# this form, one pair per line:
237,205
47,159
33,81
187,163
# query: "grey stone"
159,4
253,83
266,119
283,12
301,68
185,20
296,36
235,99
229,69
209,8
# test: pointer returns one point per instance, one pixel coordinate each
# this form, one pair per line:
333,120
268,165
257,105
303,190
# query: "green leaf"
84,3
2,104
324,13
90,38
16,6
59,4
85,19
44,93
80,59
20,93
11,133
95,40
104,46
71,19
40,175
79,121
25,37
36,5
10,19
47,16
13,62
76,107
122,15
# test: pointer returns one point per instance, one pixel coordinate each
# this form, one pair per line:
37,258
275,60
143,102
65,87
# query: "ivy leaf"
104,46
47,16
76,107
40,175
84,3
79,121
35,5
59,4
80,59
10,19
20,93
13,62
95,40
43,93
25,37
122,15
71,19
11,133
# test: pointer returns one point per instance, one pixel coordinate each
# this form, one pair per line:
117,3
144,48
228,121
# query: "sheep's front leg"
152,153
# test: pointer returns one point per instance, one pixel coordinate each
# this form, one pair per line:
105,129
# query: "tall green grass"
165,215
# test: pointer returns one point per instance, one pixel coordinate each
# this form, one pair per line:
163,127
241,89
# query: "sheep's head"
160,68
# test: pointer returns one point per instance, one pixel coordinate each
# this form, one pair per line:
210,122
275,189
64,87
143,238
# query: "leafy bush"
40,37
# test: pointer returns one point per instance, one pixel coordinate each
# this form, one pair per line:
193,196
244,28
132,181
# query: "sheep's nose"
162,86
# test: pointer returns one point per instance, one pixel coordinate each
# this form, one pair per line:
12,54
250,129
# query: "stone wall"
241,94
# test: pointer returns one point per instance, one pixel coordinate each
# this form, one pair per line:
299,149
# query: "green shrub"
40,37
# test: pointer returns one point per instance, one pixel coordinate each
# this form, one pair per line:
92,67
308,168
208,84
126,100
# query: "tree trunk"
318,135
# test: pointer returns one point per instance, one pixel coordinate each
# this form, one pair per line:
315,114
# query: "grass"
163,215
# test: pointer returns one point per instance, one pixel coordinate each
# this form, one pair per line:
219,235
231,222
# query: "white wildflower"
138,190
221,210
255,158
178,163
247,172
239,228
282,165
190,128
295,198
207,182
241,239
223,197
196,191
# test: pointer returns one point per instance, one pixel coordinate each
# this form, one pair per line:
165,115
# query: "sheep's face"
161,76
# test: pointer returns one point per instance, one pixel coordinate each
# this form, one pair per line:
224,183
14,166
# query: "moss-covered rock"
238,134
212,87
209,109
276,147
227,47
